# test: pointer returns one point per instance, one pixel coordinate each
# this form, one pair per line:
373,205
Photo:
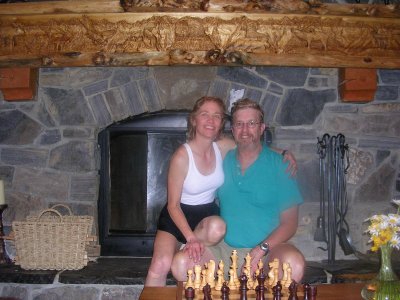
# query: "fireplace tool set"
331,223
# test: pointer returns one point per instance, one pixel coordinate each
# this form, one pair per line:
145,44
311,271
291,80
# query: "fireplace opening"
135,157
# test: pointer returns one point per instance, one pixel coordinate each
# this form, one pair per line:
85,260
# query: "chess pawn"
225,292
232,284
189,293
289,277
293,291
243,287
306,289
220,280
207,292
189,282
197,277
277,291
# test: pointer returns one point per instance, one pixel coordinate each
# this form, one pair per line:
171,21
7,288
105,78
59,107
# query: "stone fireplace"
50,151
103,64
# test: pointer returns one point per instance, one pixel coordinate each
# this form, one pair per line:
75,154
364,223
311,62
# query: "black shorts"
193,213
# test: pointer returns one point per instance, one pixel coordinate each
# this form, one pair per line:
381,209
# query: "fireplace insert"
135,157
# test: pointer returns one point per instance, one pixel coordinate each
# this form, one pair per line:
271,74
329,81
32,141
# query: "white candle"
2,198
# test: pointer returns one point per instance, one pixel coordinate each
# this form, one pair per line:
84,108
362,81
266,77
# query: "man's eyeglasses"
240,124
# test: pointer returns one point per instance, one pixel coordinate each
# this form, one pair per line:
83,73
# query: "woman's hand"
292,167
194,248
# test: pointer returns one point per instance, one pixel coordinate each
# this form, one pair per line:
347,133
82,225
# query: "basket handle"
50,210
62,205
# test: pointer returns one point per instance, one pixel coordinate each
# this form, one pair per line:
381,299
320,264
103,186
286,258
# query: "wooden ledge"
223,33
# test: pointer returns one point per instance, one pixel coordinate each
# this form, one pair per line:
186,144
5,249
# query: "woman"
194,175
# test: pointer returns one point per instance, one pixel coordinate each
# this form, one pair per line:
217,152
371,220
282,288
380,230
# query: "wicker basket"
51,241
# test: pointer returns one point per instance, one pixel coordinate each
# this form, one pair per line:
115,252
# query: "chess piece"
255,283
261,284
225,292
189,293
250,282
243,287
284,279
220,280
221,266
210,273
203,278
293,291
232,284
207,292
277,291
289,277
234,267
260,264
273,272
306,288
197,277
312,292
189,282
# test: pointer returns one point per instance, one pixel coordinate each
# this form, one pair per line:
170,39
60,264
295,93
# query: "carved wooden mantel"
103,33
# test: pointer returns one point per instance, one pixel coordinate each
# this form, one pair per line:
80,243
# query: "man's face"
247,128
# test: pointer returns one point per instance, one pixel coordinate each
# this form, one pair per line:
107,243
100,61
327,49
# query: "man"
258,201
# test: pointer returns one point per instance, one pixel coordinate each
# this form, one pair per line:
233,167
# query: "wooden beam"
328,38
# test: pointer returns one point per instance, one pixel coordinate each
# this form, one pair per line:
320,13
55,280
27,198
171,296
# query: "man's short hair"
247,103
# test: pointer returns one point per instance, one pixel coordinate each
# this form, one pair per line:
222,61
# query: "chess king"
259,202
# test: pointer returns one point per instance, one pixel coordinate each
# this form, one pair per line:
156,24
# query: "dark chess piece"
225,292
189,293
293,291
207,292
243,287
261,281
312,292
277,291
306,288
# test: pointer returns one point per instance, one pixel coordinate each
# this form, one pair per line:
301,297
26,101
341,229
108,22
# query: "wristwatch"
264,246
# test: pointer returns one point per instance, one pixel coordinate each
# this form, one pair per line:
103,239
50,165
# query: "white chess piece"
189,282
210,273
220,280
197,277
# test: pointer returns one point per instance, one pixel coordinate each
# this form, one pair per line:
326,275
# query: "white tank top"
198,188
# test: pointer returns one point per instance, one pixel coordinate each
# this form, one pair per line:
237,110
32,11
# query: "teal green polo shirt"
251,203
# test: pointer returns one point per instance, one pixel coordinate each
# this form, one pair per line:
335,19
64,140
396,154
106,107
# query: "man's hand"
195,249
292,167
256,254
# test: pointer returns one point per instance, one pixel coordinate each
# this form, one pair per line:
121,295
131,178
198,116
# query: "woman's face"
208,120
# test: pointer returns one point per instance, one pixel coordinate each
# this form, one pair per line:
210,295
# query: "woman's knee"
160,265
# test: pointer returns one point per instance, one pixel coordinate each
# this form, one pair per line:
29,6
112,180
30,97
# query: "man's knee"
180,265
290,254
216,230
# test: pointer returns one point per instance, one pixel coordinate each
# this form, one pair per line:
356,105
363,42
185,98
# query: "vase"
386,285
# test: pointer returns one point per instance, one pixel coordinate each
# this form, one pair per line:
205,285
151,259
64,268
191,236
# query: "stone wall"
49,152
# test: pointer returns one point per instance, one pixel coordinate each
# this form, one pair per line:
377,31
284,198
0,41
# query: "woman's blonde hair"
191,129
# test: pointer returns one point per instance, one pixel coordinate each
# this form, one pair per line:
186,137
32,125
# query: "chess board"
233,294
